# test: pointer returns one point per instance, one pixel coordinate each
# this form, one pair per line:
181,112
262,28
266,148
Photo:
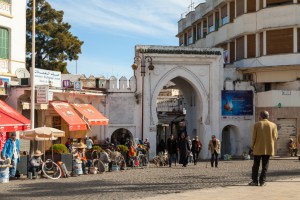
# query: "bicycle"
51,170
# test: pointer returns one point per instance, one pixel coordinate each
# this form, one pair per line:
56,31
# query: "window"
251,46
4,43
224,15
280,41
298,40
240,8
211,27
181,41
198,31
278,2
225,20
251,6
6,1
190,37
240,48
204,29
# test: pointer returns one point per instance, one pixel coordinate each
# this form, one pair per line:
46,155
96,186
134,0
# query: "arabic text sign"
42,93
237,103
46,77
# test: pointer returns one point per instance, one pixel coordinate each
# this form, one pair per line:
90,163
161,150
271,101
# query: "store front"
10,121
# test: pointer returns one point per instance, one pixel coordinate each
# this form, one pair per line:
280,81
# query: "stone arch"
230,141
121,134
190,78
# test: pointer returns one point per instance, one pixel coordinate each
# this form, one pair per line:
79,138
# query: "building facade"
261,42
12,43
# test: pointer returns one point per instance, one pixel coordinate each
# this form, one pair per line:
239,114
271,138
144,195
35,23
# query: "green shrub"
97,148
122,148
59,148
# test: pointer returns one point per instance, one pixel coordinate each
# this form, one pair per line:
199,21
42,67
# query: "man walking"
172,149
11,150
196,148
214,147
263,140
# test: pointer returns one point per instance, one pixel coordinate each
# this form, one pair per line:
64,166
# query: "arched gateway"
199,75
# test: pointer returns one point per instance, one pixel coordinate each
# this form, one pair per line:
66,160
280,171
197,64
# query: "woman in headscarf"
184,150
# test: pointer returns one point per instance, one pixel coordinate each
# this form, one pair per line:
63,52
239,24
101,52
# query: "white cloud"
150,17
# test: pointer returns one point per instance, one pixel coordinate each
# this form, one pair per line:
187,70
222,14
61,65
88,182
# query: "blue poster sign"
237,103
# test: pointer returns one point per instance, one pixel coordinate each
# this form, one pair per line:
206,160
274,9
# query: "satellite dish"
22,73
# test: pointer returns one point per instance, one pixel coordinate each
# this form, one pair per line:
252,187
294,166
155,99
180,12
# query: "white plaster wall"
244,134
16,23
274,97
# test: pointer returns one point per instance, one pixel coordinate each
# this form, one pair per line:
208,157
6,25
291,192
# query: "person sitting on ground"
80,154
293,147
35,163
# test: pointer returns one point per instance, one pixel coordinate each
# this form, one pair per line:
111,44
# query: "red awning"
91,115
66,111
11,120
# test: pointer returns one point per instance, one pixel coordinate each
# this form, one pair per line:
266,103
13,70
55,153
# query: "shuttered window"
261,44
240,48
251,6
280,41
232,52
261,4
232,11
251,46
211,23
240,8
278,2
4,43
224,16
298,40
198,31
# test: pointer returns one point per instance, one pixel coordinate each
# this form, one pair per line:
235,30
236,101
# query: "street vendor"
35,163
131,151
80,154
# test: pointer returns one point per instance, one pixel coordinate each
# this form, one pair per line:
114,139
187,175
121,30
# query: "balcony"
5,7
278,98
269,60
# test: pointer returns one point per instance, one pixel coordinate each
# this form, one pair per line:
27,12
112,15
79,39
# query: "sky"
110,30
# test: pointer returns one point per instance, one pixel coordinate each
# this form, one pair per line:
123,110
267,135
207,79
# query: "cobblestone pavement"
139,183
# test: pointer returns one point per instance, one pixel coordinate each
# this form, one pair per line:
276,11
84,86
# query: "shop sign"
42,93
4,82
3,65
5,8
47,77
77,85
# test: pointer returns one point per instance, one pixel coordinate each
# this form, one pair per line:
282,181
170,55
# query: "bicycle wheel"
51,169
99,164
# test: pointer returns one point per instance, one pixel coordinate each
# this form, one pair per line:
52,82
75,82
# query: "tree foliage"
55,44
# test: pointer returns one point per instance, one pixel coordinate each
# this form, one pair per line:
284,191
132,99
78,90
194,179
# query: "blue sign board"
237,103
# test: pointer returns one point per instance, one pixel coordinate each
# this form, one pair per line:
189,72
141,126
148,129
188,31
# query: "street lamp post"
143,60
32,110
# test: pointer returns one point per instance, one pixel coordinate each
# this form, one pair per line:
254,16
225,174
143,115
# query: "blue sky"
111,28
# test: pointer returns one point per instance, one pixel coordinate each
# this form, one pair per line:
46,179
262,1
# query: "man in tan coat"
264,136
214,147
